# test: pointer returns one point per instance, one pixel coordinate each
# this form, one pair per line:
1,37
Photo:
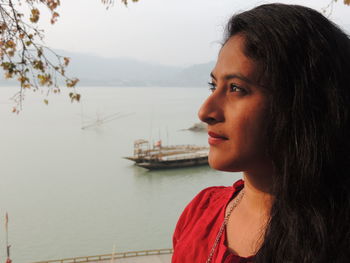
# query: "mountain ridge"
93,70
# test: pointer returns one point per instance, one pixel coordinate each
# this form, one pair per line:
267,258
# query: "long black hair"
305,65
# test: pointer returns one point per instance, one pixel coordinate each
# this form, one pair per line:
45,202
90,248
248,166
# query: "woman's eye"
236,88
212,86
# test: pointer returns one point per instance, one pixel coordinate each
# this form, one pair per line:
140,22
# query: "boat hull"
172,164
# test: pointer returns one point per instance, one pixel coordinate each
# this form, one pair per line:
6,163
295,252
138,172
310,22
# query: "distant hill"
123,72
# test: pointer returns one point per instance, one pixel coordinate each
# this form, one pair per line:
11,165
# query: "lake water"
68,191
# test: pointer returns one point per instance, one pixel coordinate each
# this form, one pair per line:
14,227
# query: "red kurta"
199,224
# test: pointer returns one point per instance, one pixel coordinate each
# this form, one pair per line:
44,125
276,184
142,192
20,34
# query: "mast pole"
8,260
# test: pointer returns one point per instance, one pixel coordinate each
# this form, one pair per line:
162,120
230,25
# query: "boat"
198,127
158,156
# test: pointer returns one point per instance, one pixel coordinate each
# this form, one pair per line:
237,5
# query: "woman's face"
235,111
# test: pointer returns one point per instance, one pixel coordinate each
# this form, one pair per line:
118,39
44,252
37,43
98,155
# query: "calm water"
68,191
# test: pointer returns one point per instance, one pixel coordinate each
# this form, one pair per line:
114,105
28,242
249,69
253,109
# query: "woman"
279,112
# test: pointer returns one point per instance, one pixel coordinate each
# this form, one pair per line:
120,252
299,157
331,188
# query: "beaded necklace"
221,230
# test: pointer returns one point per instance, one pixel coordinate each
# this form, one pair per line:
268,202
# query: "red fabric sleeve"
199,223
193,210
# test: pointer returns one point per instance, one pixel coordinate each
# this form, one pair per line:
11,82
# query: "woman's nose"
211,110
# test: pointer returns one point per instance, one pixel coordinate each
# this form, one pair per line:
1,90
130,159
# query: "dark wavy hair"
305,64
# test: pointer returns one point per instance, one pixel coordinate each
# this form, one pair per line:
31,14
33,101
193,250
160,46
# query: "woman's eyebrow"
233,76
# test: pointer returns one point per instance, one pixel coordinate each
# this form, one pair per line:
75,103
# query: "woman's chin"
223,165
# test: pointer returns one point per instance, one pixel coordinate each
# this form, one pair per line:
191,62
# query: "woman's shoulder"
212,196
206,204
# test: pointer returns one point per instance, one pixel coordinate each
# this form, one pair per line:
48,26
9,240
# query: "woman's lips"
215,139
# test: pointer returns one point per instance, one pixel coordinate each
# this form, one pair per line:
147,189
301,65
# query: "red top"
199,225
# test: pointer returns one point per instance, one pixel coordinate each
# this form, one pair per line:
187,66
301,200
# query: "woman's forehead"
233,61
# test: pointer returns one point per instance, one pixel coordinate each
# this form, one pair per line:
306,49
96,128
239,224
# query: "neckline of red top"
230,255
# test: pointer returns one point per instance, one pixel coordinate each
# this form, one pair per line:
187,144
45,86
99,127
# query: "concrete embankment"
144,256
140,259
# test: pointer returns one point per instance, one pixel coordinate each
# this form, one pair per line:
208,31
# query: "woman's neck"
247,224
258,198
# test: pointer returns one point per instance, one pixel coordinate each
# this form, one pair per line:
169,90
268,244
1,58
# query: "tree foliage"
328,10
111,2
23,54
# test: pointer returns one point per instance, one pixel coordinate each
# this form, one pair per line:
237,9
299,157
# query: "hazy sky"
171,32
